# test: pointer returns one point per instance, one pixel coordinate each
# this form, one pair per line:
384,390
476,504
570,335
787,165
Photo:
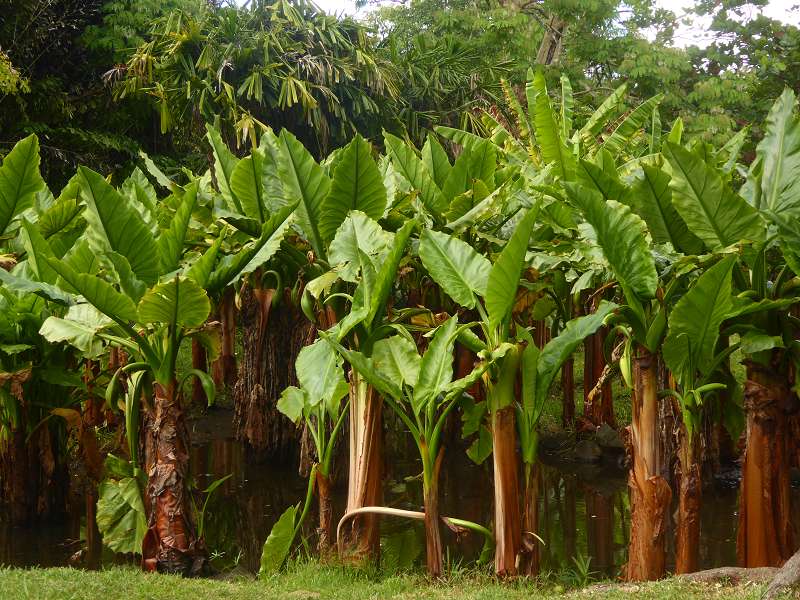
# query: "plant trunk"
568,399
687,544
433,537
272,337
170,544
765,537
200,363
507,520
650,492
224,368
597,408
33,478
325,530
530,562
366,468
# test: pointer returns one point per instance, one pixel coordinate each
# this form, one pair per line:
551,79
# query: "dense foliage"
453,266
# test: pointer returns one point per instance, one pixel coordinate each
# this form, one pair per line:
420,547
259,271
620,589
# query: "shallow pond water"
584,511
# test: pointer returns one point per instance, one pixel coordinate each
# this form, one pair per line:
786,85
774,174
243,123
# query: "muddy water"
584,512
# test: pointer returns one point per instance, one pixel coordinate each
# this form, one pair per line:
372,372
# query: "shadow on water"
584,512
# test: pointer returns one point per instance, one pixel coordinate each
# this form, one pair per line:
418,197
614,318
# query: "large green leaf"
79,328
224,164
365,367
409,165
455,266
38,251
780,154
560,348
436,366
254,254
306,183
358,233
319,371
435,160
248,182
651,198
19,180
711,209
602,116
504,276
97,292
595,177
24,286
621,235
179,301
357,185
695,321
121,515
115,225
548,134
278,544
172,241
635,121
387,274
396,357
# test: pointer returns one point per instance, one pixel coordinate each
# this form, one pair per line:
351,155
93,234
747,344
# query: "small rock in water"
588,451
608,437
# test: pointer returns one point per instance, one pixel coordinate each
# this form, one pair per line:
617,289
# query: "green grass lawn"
307,581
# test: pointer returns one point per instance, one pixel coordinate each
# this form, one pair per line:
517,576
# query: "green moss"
310,580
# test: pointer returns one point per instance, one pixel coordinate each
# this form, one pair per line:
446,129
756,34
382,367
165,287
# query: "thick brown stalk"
33,477
433,537
170,544
765,537
325,529
366,468
507,520
687,543
224,368
199,362
272,337
598,404
568,398
650,492
530,557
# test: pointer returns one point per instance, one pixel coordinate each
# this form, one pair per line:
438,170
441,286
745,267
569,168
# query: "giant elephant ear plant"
153,299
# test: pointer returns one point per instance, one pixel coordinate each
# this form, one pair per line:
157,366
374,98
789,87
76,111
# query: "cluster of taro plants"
459,278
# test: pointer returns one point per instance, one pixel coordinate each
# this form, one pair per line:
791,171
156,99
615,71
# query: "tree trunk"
550,48
223,370
530,562
170,544
366,469
272,337
650,492
687,543
765,537
507,520
325,530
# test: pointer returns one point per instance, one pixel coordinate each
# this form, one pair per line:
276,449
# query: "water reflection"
584,513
